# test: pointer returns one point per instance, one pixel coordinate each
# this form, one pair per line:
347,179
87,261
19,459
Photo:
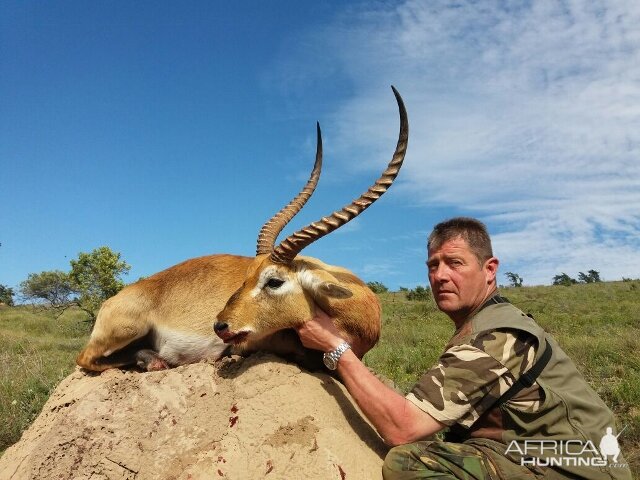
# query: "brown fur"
253,302
182,303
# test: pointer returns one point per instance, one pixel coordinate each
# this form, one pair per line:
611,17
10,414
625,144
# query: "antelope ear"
321,284
333,290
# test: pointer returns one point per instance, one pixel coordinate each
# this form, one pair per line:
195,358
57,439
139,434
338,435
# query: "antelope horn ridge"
292,245
270,230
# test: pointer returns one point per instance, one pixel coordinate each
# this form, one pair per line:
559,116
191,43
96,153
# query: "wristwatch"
331,358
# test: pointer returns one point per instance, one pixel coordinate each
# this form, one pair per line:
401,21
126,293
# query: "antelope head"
280,288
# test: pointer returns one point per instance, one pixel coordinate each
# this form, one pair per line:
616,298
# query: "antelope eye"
275,283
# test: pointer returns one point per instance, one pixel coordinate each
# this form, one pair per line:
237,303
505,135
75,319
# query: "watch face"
329,362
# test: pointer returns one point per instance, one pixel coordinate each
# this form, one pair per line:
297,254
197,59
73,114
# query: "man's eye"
275,283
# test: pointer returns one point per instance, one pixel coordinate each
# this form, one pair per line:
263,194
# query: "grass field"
36,352
598,325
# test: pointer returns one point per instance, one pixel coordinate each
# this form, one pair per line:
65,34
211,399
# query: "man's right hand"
319,333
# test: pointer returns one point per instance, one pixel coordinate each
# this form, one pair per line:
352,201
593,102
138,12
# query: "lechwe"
166,319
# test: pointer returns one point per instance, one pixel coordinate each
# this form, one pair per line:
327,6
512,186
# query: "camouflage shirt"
469,378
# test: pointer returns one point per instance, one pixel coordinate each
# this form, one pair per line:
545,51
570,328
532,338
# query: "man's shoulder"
470,377
501,339
503,315
512,348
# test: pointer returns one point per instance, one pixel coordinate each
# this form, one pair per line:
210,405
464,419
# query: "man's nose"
440,273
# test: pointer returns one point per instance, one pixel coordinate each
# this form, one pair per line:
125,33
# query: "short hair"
472,231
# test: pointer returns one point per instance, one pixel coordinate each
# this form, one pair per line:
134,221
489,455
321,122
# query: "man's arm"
397,420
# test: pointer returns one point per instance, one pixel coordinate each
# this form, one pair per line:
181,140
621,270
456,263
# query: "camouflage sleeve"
469,378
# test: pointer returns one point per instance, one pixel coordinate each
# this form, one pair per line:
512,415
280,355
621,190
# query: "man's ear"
491,269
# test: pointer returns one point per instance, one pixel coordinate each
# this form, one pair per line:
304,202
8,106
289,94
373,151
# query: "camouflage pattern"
481,361
444,460
470,377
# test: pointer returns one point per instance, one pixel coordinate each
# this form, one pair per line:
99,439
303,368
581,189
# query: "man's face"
459,283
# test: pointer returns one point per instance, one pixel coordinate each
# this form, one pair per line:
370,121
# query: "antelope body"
253,303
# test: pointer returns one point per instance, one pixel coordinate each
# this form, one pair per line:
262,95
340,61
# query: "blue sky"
173,130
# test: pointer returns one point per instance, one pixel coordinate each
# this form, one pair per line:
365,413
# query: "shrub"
419,293
564,279
590,277
6,295
515,280
377,287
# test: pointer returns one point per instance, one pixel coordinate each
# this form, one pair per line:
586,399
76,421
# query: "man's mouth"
444,292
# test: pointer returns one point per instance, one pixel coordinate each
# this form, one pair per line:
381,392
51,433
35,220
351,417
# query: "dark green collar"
494,300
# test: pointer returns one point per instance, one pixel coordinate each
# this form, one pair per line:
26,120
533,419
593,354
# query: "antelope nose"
219,326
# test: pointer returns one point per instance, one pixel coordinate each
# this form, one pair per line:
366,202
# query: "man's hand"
397,420
319,333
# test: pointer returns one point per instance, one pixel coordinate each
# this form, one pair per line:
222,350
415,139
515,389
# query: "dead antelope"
166,319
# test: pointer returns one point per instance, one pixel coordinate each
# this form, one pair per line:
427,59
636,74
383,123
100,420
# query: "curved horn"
270,230
292,245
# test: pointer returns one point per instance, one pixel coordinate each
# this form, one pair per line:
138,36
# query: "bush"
515,280
6,295
377,287
564,279
590,277
419,293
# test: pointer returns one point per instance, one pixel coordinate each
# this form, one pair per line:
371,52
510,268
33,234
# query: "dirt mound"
258,417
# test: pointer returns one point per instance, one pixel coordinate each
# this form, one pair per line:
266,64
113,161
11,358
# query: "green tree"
595,276
53,288
515,280
419,293
564,279
96,276
6,295
377,287
93,278
591,276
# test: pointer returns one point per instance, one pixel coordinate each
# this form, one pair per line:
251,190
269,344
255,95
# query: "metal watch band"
331,358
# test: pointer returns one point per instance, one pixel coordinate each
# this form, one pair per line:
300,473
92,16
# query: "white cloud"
528,117
379,269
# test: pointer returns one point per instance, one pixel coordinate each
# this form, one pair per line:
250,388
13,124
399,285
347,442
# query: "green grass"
598,325
36,352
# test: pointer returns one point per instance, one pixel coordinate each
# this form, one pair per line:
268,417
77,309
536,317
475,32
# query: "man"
501,379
